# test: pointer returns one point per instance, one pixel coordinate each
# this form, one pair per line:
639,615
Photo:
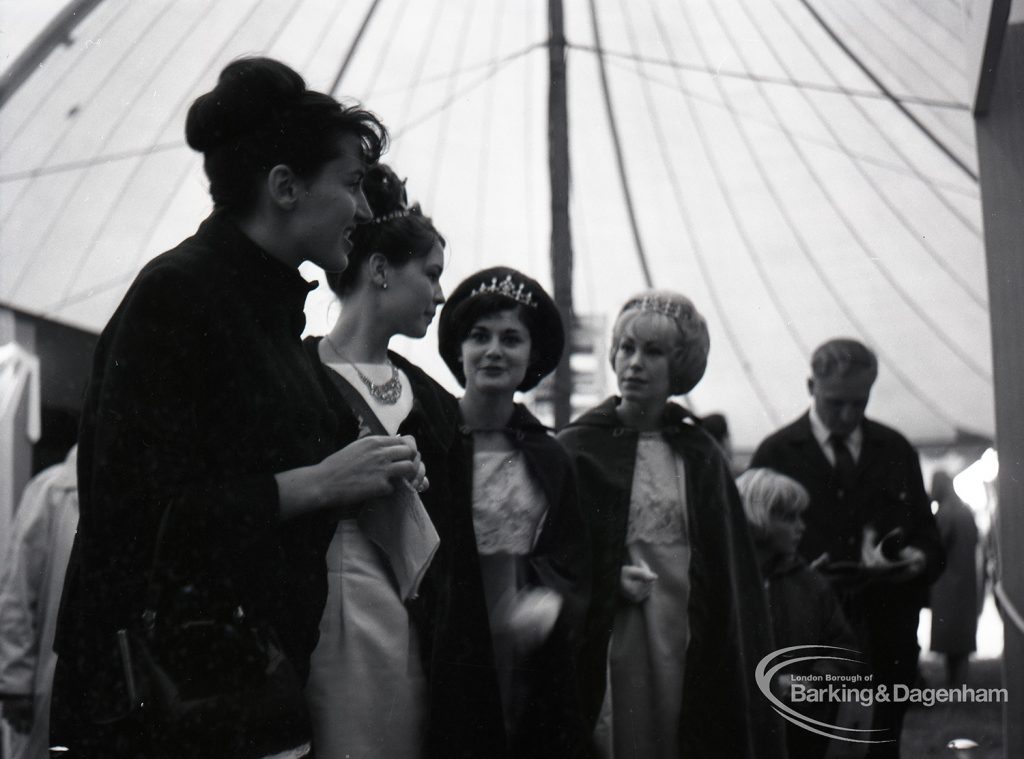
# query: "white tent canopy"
801,168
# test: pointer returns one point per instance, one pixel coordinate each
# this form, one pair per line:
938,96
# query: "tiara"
654,304
508,289
396,214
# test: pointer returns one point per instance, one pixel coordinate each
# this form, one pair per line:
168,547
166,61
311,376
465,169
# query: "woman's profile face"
330,205
642,361
496,353
414,292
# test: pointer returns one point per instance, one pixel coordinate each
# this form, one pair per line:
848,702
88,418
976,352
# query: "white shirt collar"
854,441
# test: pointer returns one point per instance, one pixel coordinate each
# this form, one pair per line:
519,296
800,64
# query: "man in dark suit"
869,520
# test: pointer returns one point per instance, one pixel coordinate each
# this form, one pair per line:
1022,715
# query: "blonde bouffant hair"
690,358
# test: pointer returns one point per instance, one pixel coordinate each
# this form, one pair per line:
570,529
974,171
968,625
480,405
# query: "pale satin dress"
647,654
366,691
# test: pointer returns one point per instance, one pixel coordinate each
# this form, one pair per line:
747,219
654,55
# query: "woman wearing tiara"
501,333
375,689
677,623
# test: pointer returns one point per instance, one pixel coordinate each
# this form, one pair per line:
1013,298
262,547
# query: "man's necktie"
845,466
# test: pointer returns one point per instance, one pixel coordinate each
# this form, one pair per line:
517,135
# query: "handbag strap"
152,595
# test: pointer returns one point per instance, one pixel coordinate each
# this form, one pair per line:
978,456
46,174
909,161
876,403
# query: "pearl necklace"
388,392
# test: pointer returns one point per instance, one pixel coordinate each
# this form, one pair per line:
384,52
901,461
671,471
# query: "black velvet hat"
491,291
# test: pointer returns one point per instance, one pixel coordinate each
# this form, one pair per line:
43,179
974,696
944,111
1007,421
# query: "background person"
803,608
42,533
501,333
717,426
678,621
869,516
203,404
954,596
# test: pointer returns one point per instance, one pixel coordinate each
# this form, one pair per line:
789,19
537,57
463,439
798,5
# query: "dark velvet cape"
723,713
552,725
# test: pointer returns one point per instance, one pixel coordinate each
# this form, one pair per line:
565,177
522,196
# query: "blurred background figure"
803,609
954,596
33,576
869,527
717,426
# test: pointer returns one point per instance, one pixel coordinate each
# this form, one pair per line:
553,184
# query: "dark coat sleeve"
806,612
835,631
922,529
561,558
553,725
603,496
465,718
145,430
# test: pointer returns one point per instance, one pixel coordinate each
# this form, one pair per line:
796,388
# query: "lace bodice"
657,503
508,505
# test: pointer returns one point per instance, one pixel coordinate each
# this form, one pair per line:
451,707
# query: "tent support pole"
58,32
354,46
561,233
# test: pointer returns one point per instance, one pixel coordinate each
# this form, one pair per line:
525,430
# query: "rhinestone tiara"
397,214
656,305
507,288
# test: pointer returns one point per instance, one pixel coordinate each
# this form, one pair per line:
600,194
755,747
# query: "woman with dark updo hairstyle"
500,334
204,412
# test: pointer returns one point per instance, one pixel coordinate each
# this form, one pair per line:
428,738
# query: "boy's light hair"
766,492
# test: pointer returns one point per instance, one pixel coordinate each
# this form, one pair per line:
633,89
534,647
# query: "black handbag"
203,679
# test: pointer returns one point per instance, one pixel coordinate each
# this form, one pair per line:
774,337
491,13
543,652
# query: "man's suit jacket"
888,492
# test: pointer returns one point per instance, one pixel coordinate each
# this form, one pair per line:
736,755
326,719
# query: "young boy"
803,609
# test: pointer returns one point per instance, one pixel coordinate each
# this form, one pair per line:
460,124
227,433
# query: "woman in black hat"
501,333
